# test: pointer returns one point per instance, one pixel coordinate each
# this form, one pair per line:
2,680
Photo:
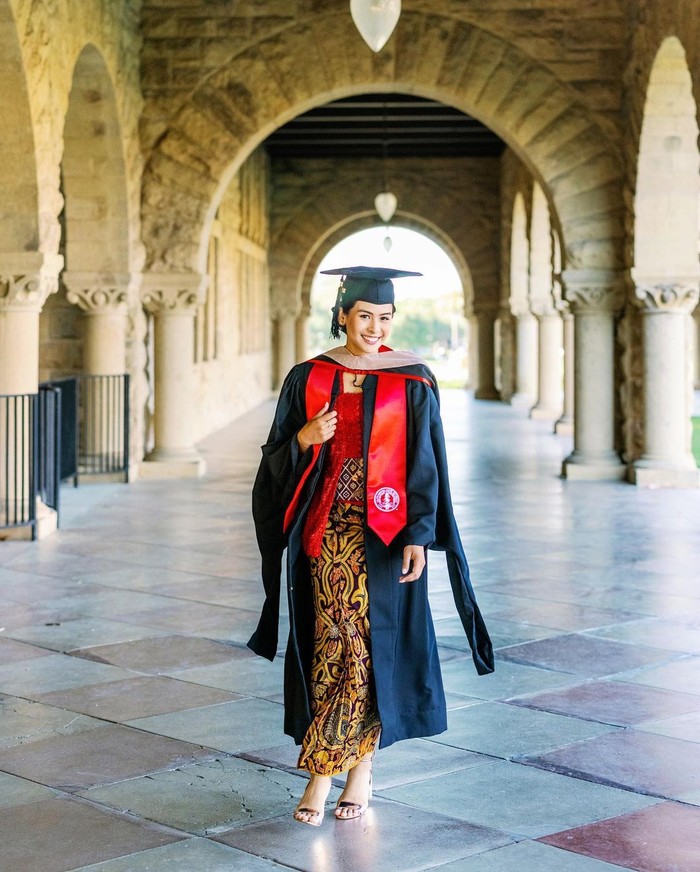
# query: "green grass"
696,440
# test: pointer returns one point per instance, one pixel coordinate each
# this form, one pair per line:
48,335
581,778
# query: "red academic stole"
387,510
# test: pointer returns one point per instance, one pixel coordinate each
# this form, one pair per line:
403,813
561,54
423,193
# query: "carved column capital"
97,294
173,293
657,294
594,290
27,278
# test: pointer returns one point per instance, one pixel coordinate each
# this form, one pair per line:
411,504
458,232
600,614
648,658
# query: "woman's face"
367,326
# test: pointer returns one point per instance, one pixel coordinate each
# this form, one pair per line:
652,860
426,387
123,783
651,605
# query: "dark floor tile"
52,836
389,837
584,655
662,838
192,618
136,698
97,756
613,702
161,653
644,762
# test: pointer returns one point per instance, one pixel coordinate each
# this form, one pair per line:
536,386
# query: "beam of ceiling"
383,125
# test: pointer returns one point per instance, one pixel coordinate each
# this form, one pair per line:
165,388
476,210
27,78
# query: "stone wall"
314,202
237,377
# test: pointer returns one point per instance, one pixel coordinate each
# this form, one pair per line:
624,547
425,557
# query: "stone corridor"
138,733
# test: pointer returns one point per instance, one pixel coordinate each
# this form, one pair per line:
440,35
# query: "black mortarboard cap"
369,283
372,284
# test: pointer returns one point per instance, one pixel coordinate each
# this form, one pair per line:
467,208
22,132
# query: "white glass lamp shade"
385,204
375,19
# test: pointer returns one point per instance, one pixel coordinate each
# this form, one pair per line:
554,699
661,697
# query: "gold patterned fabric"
345,725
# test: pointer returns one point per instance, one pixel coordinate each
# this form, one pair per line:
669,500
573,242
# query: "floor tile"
671,635
506,731
56,672
508,680
190,855
161,654
207,798
663,838
685,727
528,857
23,721
12,651
389,837
82,632
19,791
613,702
136,698
231,727
98,756
253,676
639,761
50,836
518,799
585,655
682,675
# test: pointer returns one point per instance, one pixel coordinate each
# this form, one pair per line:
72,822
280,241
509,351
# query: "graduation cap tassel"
335,324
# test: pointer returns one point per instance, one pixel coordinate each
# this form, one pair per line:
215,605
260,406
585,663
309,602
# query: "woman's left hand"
413,560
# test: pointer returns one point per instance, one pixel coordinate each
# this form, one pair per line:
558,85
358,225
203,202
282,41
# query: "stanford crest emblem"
386,499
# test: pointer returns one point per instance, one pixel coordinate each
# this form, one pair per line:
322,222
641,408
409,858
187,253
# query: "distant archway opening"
430,317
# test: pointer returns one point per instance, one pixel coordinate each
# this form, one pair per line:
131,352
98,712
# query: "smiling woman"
353,484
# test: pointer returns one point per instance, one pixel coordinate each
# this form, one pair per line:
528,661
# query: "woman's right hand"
318,429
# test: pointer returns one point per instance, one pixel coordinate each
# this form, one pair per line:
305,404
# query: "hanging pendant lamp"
385,205
375,19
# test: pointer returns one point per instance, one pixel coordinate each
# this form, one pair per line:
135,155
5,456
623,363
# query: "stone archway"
275,78
96,221
665,271
285,66
316,203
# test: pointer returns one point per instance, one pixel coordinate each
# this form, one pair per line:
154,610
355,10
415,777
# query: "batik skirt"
345,723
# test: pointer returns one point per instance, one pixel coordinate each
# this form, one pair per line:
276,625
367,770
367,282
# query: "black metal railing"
72,427
18,432
104,425
48,446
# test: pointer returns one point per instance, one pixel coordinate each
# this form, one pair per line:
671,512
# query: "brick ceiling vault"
307,62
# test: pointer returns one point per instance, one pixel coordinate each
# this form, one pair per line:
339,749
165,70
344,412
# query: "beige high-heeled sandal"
348,811
315,815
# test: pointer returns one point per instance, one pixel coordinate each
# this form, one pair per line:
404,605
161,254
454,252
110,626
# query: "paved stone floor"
138,733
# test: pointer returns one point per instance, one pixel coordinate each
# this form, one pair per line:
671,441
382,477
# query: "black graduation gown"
407,677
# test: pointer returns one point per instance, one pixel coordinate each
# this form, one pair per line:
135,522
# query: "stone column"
485,385
595,296
105,307
525,359
507,353
104,304
26,280
666,460
286,335
301,342
696,349
173,301
565,424
549,377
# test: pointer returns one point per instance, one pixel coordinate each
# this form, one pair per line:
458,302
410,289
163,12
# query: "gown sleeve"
280,468
432,521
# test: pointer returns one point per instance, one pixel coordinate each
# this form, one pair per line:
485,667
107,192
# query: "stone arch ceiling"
455,201
301,62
